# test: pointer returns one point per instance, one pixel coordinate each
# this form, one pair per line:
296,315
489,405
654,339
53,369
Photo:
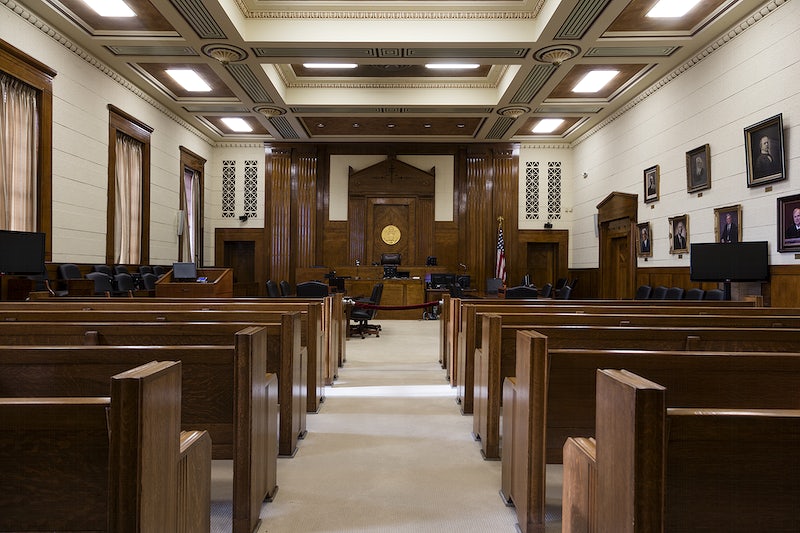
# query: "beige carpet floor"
388,452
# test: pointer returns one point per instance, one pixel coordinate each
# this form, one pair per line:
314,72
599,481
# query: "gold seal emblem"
390,234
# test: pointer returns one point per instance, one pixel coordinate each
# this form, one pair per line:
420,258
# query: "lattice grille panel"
532,190
228,189
554,190
250,187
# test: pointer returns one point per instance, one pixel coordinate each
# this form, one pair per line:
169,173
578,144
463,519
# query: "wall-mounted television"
21,252
742,261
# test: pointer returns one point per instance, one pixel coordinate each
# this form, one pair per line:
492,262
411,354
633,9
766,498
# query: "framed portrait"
698,169
764,146
789,223
679,234
651,184
728,224
644,240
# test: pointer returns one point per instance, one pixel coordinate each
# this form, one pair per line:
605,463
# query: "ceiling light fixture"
331,65
671,8
110,8
547,125
594,81
239,125
452,66
189,80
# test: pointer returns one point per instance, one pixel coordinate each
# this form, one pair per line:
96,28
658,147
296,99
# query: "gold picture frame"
679,234
728,224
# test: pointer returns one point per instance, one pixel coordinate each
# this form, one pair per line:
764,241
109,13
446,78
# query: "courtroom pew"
554,398
496,358
322,319
690,469
281,351
107,463
467,331
224,390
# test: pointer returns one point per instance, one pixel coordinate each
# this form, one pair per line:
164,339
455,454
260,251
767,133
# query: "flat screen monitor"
463,281
442,281
184,272
742,261
21,252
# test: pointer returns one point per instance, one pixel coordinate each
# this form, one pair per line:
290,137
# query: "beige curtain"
191,187
128,201
19,152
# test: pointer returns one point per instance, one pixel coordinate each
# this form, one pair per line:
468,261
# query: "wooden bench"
554,395
496,359
281,351
322,322
466,337
106,463
685,469
224,390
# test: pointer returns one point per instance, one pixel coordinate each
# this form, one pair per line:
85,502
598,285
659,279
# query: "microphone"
462,265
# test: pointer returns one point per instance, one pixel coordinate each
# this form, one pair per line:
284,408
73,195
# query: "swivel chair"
102,283
286,289
149,281
547,290
272,289
643,292
362,315
312,289
124,285
659,293
694,294
674,293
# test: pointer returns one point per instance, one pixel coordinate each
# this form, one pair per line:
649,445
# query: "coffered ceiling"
529,56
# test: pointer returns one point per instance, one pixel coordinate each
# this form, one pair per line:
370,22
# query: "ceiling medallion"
557,54
269,111
224,53
513,111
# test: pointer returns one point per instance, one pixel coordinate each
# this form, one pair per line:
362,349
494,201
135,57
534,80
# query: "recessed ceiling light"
239,125
110,8
390,125
671,8
427,125
452,66
594,81
330,65
356,125
547,125
189,80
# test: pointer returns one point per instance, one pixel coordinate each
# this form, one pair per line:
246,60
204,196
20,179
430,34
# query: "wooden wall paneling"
424,230
505,171
399,212
279,223
246,256
478,228
334,244
306,192
356,224
617,216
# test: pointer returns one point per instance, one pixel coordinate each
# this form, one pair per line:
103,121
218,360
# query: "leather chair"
69,271
547,290
714,294
286,289
643,292
145,269
149,281
105,269
362,315
521,292
564,293
659,293
674,293
272,289
312,289
121,269
694,294
102,283
124,285
159,270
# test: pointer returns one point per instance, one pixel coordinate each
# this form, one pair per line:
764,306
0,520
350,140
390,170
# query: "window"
191,207
30,84
128,228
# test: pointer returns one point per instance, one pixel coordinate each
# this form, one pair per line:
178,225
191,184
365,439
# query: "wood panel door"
620,268
397,212
542,263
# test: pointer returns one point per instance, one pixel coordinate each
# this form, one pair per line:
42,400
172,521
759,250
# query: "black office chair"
560,284
547,290
124,285
674,293
121,269
714,294
564,293
145,269
659,293
694,294
521,292
286,289
149,281
362,315
159,270
272,289
102,283
312,289
105,269
69,271
643,292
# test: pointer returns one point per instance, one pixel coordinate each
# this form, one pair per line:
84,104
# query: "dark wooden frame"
704,153
653,171
719,214
193,161
786,205
640,227
673,222
771,128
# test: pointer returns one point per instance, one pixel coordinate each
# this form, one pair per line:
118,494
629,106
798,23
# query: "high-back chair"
149,281
272,289
125,285
694,294
643,292
102,283
286,289
312,289
547,290
659,293
674,293
714,294
362,315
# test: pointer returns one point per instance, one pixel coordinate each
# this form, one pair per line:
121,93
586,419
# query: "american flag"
500,267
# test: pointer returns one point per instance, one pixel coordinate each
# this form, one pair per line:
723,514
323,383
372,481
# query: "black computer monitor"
184,272
463,281
21,252
442,281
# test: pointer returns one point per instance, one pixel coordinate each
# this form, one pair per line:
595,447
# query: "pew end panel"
194,482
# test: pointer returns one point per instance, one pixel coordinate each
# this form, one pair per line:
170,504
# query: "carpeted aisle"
389,451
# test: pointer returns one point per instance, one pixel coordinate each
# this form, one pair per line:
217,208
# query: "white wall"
82,90
749,78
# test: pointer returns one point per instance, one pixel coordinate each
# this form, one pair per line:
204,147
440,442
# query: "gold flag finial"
500,220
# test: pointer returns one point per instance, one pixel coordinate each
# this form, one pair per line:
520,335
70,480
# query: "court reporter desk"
218,284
